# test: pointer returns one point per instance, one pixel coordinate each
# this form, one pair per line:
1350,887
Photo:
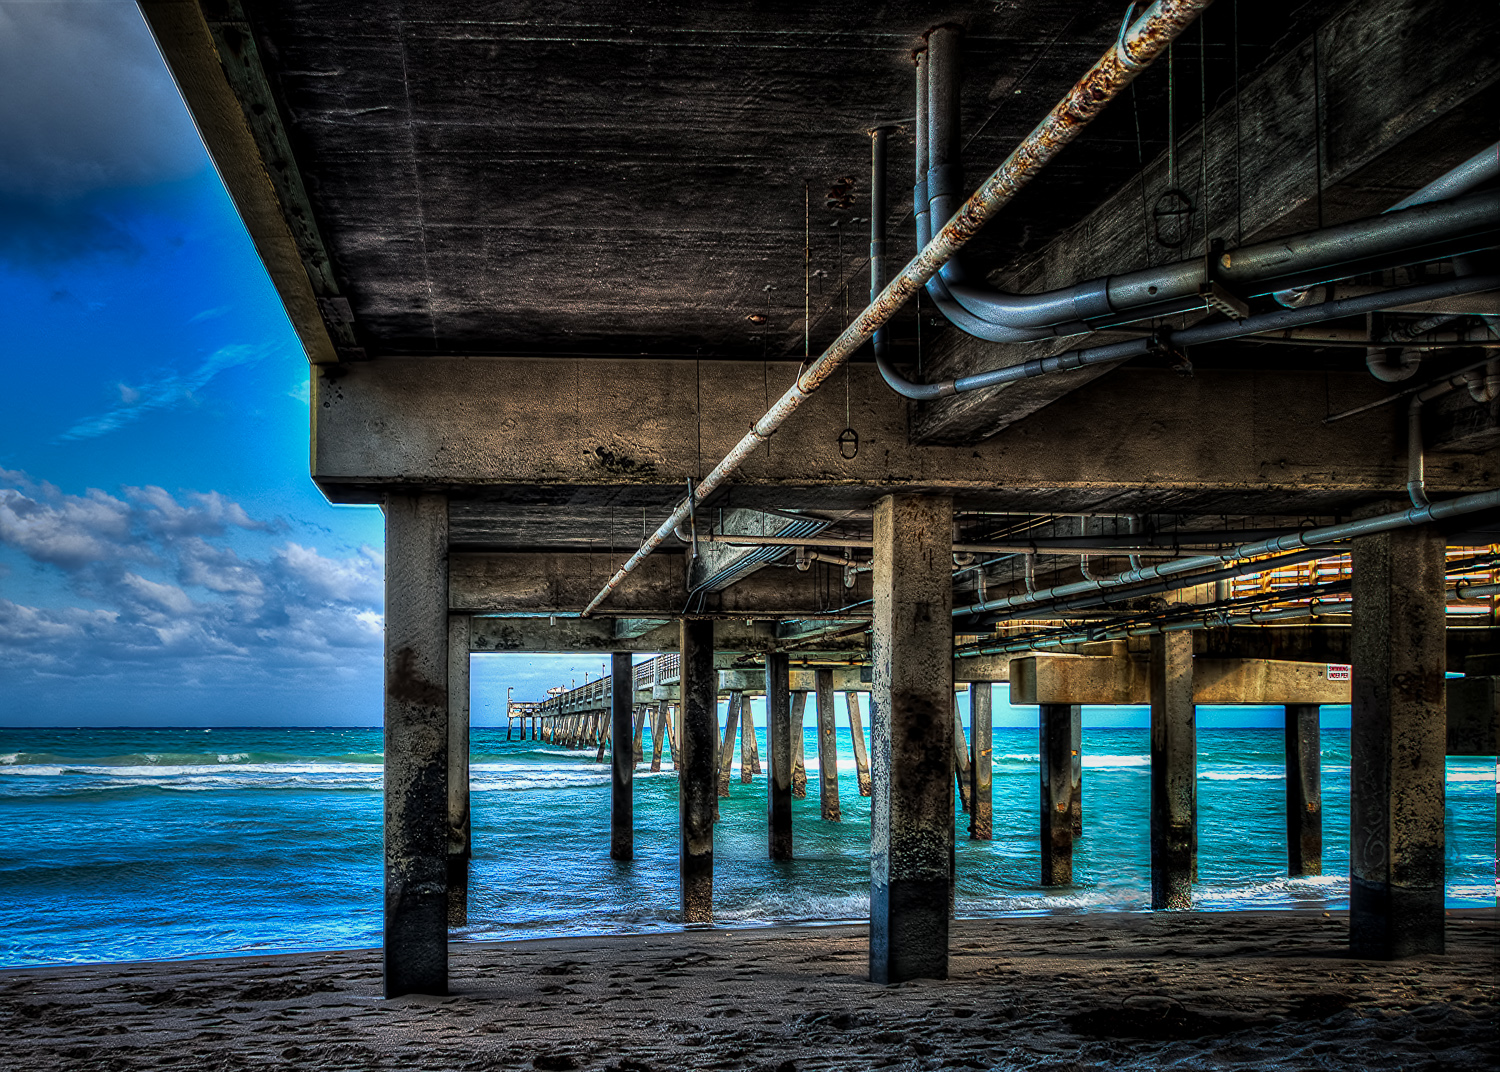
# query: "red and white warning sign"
1338,672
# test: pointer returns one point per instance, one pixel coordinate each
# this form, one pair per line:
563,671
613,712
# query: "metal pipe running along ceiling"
1137,46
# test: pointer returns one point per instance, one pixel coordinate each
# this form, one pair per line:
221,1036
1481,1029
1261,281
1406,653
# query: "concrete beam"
542,584
1220,439
1102,679
1402,88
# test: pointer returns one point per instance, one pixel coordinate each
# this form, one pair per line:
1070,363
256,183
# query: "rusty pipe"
1131,53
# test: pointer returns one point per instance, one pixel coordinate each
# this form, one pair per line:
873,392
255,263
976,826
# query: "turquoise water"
153,843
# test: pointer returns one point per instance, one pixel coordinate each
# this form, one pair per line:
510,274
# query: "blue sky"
164,557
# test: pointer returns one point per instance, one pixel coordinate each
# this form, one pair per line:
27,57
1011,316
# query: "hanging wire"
1203,128
1140,159
806,271
1318,124
1172,116
1239,207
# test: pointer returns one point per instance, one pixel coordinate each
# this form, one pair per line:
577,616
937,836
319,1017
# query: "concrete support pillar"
698,737
460,847
1304,792
981,762
911,810
799,761
1055,732
658,733
779,755
622,758
1174,772
857,737
416,744
828,748
1398,739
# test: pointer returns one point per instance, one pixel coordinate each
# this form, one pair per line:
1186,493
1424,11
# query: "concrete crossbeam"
550,583
1100,679
492,425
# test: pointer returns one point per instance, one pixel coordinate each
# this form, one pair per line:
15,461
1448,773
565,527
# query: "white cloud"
158,593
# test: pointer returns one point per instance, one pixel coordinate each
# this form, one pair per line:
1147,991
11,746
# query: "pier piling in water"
1174,771
1076,773
749,748
799,761
1304,794
658,733
828,749
638,751
1055,739
960,756
981,762
779,755
1398,740
460,848
725,759
911,811
857,737
622,758
699,687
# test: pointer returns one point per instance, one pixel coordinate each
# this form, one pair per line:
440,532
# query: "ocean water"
161,843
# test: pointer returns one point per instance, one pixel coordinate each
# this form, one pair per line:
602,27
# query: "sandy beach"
1270,990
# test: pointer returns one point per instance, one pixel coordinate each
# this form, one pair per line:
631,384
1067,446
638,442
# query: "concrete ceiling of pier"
606,178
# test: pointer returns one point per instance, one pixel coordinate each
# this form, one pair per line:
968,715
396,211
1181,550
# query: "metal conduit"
1193,336
1135,49
1308,538
1299,261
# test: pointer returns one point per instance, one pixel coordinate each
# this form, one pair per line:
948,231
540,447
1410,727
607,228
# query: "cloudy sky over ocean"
164,557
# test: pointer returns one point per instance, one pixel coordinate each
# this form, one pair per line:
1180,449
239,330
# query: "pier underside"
549,270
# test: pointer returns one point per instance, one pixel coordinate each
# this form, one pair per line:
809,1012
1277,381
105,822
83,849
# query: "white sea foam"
1242,776
1115,761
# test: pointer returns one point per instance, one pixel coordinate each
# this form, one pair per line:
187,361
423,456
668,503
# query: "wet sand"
1268,990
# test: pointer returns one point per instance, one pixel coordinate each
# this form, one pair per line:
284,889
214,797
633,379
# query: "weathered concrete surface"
1174,772
828,755
416,745
1304,790
911,811
460,834
622,758
699,738
1055,733
1397,738
1220,441
778,758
